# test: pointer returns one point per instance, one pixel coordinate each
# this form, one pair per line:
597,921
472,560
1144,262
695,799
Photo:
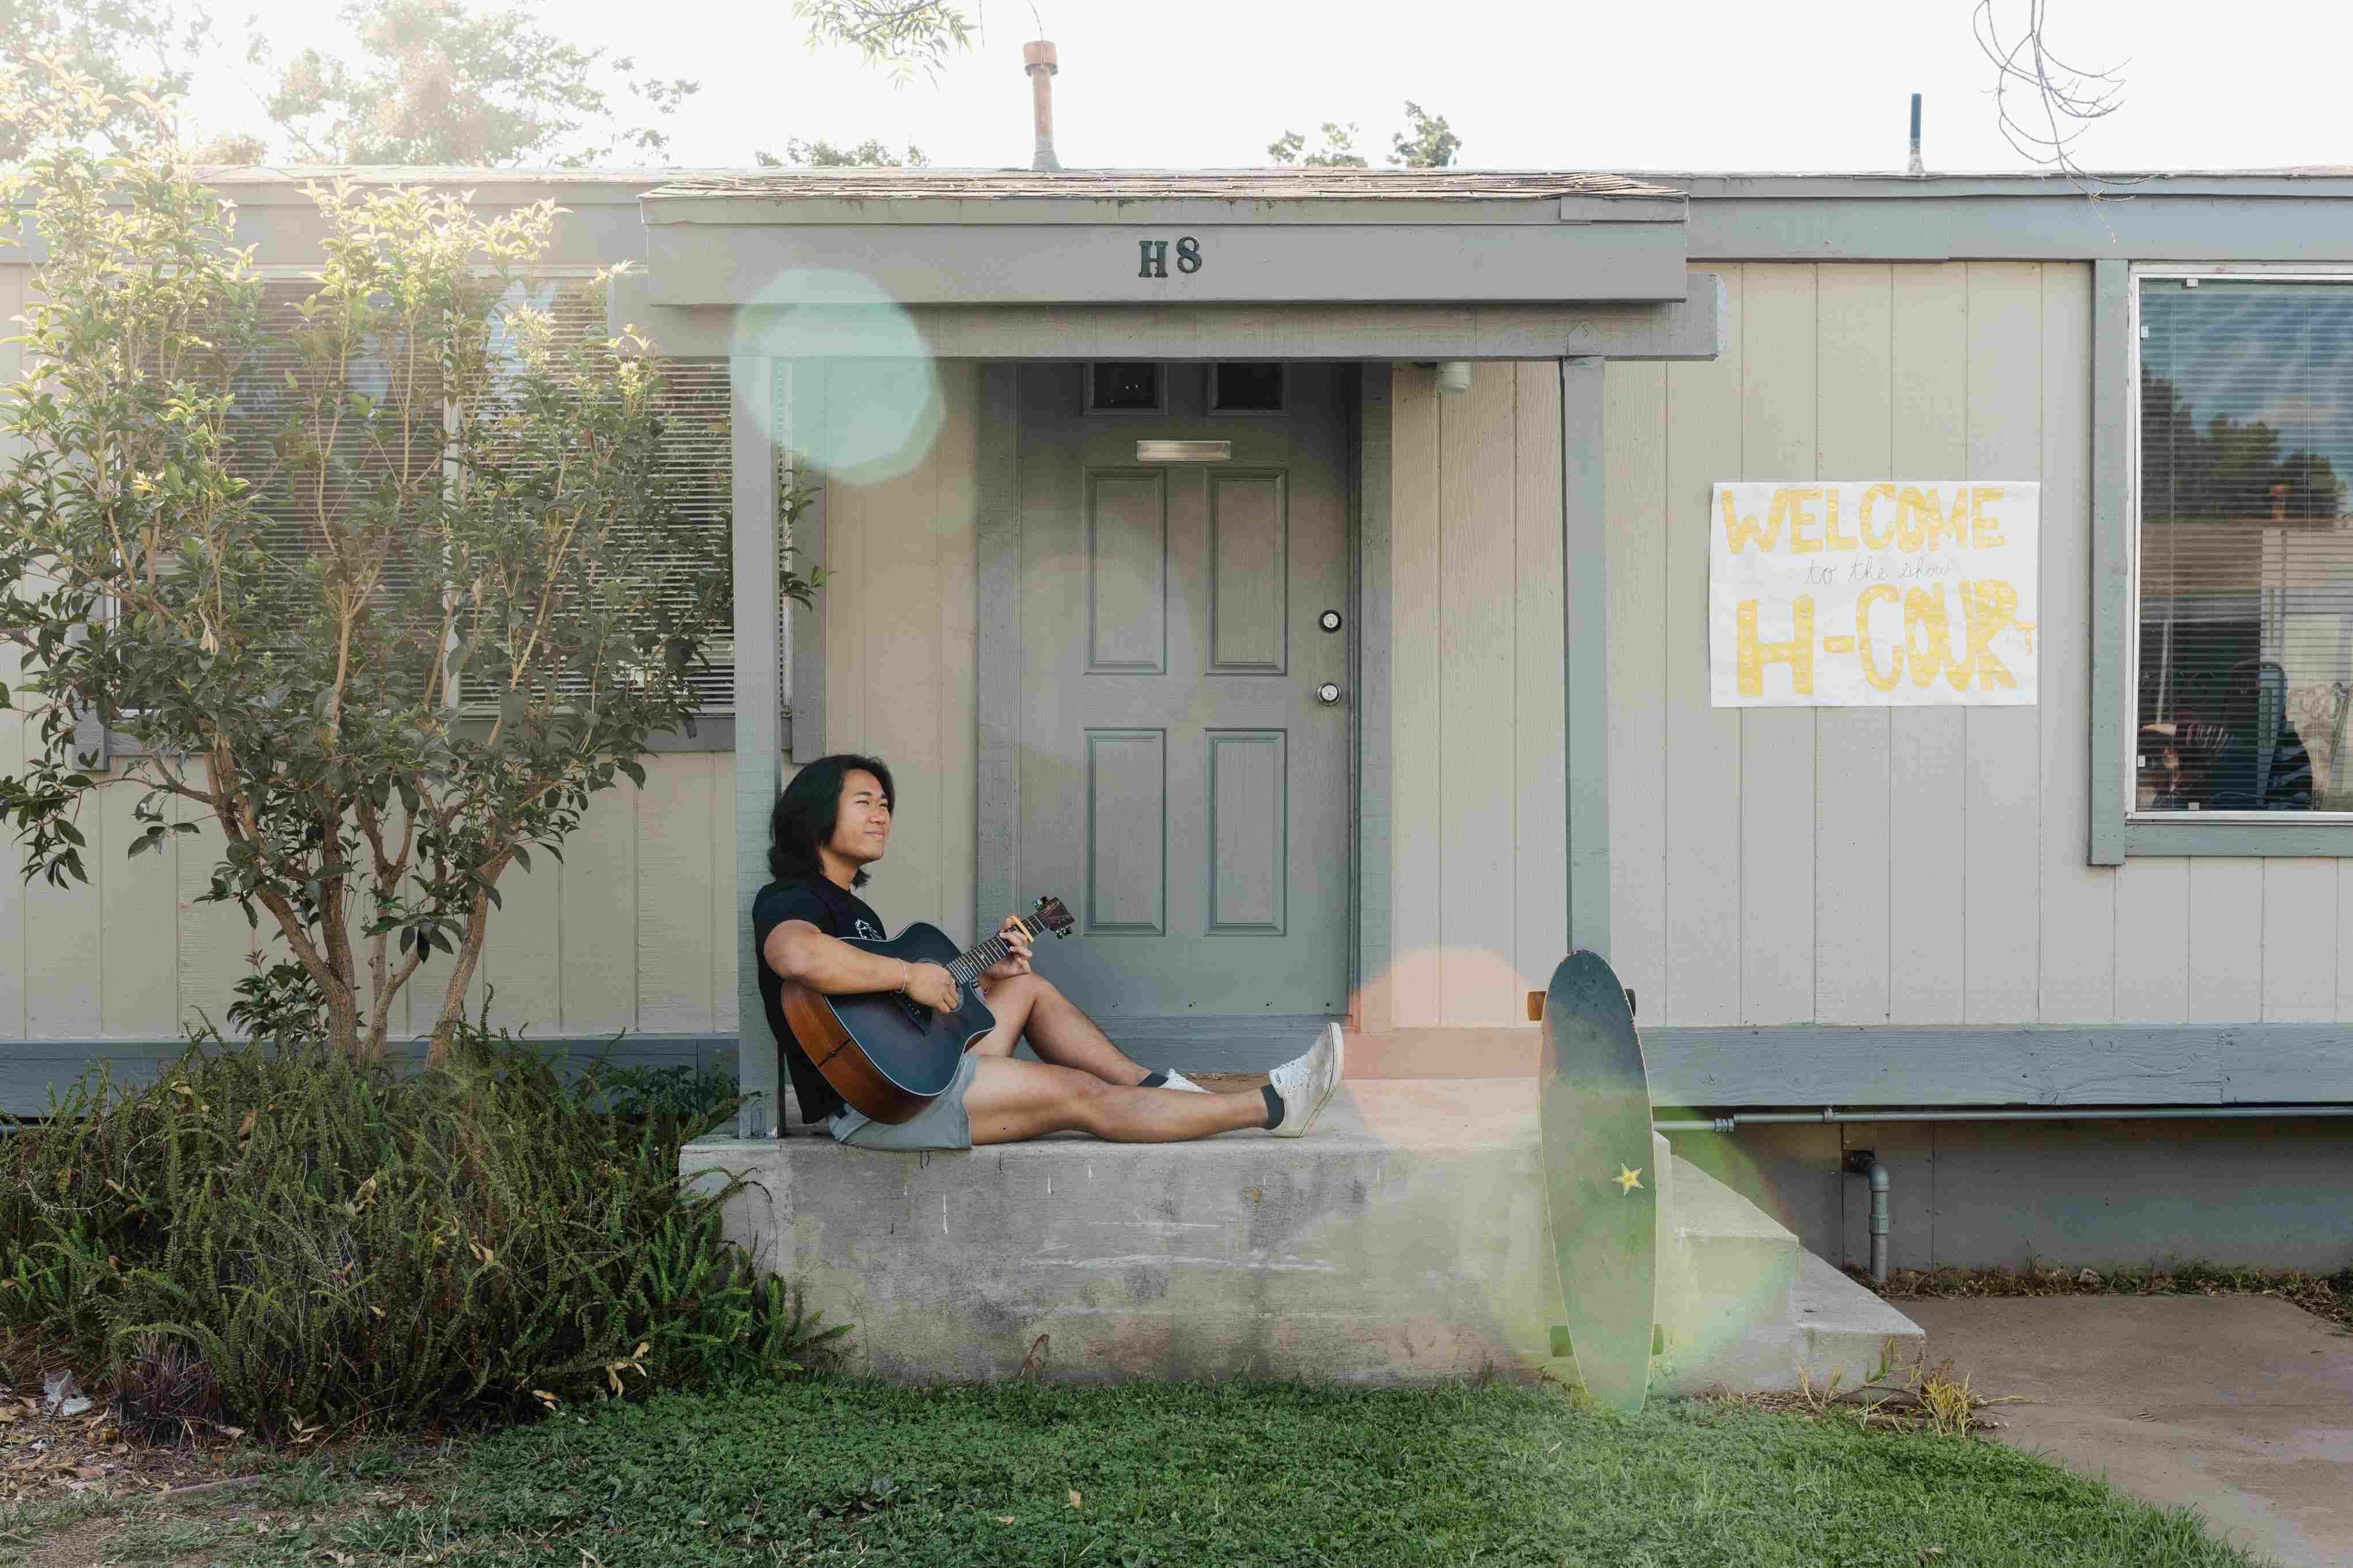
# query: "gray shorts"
942,1124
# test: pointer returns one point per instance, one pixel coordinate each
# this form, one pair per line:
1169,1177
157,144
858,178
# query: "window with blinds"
370,454
696,439
2245,545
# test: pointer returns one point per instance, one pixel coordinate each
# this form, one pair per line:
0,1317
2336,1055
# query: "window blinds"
2245,547
368,453
697,443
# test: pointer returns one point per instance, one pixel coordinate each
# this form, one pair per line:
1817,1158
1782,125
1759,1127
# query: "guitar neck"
981,957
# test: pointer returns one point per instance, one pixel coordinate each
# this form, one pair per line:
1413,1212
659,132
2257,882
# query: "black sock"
1154,1080
1273,1107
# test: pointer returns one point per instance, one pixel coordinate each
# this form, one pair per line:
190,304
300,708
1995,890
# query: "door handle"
1328,693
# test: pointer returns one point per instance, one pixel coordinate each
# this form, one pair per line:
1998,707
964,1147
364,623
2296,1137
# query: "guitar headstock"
1052,916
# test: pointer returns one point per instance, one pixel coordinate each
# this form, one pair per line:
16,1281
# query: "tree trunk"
453,1000
343,1026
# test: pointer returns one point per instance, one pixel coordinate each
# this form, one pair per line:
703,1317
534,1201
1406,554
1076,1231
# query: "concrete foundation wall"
2085,1195
1404,1240
1398,1243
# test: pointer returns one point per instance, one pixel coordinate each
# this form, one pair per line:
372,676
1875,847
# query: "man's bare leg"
1011,1099
1058,1030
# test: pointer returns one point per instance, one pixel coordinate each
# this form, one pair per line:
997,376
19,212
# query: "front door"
1186,626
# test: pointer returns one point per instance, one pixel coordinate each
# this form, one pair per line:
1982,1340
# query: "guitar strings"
969,966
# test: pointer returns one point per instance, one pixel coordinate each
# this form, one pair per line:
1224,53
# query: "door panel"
1249,799
1127,573
1179,775
1250,527
1127,832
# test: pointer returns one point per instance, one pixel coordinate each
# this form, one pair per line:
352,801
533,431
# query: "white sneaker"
1306,1082
1178,1080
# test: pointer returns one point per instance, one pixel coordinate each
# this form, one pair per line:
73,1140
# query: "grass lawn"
849,1472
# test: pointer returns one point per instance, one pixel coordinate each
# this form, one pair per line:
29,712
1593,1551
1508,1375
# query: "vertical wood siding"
1906,866
1778,866
1909,866
1478,799
621,935
899,636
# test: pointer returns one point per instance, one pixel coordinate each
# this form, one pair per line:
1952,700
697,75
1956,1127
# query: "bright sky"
1813,84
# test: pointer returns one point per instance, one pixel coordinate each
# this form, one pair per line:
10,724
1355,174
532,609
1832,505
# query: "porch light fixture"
1183,451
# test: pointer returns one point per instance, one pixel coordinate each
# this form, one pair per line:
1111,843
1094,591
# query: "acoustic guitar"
887,1054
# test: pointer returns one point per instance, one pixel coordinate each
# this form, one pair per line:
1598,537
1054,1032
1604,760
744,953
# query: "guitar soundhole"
917,1014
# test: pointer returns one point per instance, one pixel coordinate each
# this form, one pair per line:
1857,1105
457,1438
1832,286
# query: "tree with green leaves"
1336,150
430,82
1432,145
434,83
382,582
130,47
1426,142
820,153
900,36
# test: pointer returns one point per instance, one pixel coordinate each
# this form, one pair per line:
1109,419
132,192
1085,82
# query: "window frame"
1281,394
1160,388
2118,829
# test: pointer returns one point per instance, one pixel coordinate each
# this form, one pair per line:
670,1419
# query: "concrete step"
1730,1266
1401,1242
1835,1330
1745,1306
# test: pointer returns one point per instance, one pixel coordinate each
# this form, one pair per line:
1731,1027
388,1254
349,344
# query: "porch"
1403,1243
925,355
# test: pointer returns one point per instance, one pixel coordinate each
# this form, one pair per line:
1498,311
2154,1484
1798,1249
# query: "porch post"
1585,601
996,778
759,701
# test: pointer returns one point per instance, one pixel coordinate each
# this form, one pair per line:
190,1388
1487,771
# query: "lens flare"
1446,1011
859,398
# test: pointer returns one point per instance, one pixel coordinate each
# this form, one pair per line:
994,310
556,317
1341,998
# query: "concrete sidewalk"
2238,1405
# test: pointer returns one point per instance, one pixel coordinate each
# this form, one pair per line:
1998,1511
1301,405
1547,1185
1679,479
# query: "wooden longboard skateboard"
1601,1192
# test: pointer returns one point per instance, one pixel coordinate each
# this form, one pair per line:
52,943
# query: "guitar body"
888,1054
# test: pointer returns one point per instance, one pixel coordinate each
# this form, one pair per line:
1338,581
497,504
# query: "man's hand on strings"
1017,937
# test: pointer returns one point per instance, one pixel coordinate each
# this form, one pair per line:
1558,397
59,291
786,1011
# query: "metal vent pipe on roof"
1038,59
1917,167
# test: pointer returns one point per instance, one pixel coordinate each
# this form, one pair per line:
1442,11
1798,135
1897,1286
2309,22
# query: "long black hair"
805,813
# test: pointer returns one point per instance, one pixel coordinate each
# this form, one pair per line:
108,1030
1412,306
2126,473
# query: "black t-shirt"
834,910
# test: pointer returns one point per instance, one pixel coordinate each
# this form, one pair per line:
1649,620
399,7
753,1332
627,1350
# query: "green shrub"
334,1246
703,1095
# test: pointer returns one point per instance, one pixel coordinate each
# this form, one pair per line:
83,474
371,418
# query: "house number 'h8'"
1155,257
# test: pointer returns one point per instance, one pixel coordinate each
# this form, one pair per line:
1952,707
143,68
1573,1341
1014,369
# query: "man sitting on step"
831,823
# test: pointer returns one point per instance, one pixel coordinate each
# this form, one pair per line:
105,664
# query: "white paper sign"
1874,593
